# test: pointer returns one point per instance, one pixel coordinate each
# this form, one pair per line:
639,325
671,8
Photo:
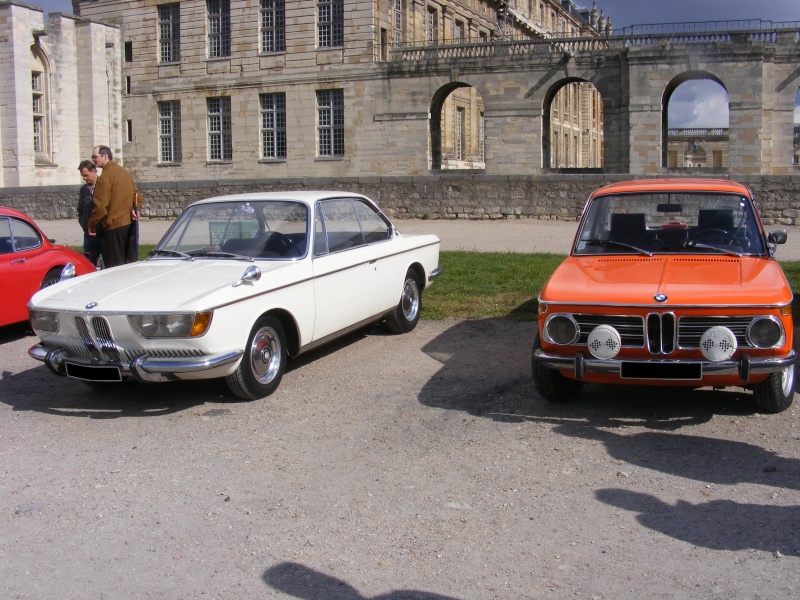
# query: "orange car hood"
684,279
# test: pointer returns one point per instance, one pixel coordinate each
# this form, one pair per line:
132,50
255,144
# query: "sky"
695,103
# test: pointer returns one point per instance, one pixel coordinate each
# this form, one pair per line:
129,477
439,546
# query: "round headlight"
561,329
179,325
149,324
765,332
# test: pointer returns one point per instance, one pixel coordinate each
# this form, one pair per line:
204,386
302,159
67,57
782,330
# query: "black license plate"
93,373
631,370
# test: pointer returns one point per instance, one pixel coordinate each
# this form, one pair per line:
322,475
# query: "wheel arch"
419,271
290,329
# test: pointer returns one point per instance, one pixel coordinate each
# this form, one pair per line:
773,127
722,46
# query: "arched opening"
695,121
457,128
572,127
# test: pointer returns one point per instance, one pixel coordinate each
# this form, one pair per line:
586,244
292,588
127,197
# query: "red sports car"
29,262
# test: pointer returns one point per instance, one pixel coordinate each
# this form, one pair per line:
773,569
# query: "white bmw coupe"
238,284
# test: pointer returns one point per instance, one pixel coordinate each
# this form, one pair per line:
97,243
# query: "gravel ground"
421,466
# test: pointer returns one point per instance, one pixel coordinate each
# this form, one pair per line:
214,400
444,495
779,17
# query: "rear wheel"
551,384
52,276
261,369
406,314
775,394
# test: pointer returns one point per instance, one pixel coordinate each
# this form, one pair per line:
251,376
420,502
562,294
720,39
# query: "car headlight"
171,325
44,320
561,329
765,332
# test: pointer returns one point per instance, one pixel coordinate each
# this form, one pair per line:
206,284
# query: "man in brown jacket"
115,206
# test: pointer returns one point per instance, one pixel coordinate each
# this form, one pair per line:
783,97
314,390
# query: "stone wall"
458,196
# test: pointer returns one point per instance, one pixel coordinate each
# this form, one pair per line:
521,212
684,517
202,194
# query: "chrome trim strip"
653,306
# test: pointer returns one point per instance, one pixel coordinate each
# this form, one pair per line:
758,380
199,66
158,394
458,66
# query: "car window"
341,224
254,229
373,226
23,236
5,236
670,222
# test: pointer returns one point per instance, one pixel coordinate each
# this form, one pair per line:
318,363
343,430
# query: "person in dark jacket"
93,246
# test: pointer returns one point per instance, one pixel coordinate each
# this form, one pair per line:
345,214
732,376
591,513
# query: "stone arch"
456,138
573,126
700,146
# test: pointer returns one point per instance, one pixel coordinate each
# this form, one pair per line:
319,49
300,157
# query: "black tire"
51,277
775,394
261,369
551,384
406,314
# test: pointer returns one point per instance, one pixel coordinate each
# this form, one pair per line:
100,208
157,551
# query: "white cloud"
698,103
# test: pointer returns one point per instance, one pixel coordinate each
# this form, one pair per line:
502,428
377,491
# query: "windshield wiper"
615,244
173,253
702,246
218,254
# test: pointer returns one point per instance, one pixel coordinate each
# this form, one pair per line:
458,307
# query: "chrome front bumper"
743,368
144,368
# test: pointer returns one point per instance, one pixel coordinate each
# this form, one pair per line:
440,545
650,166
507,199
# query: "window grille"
273,126
273,26
169,29
220,142
219,28
330,23
330,122
169,131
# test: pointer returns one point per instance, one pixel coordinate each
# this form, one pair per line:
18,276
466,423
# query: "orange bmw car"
669,282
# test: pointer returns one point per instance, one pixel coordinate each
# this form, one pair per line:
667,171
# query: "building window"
220,142
483,137
398,22
169,32
127,84
219,28
432,27
330,122
169,131
458,32
273,126
129,130
273,26
37,87
330,23
459,133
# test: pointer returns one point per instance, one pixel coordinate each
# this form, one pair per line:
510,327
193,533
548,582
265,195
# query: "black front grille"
690,329
661,333
630,328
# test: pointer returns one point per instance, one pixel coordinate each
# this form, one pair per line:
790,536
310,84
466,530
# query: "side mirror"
777,237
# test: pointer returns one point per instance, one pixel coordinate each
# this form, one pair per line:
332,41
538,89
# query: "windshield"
656,223
243,229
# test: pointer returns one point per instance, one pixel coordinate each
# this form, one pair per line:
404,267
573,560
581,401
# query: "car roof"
688,184
5,211
307,196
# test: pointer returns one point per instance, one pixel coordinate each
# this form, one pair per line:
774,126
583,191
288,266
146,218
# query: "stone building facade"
60,95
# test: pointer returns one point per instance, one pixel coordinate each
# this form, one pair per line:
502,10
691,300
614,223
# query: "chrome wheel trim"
265,355
409,301
787,381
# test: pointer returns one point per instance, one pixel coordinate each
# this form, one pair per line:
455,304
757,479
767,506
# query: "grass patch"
478,285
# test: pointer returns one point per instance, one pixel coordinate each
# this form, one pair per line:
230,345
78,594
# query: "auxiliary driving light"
604,342
718,343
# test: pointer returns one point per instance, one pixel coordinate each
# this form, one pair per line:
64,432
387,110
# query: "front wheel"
551,384
775,394
261,369
406,314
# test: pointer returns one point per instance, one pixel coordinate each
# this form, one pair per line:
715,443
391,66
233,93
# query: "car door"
14,273
344,269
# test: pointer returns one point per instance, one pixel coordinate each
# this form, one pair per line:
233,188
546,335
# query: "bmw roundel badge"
660,297
91,305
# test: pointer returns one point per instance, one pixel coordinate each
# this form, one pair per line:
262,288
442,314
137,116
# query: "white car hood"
159,285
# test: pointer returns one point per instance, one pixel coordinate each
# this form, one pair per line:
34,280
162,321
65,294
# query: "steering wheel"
713,233
279,243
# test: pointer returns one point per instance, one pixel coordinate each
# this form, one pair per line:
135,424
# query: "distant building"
61,94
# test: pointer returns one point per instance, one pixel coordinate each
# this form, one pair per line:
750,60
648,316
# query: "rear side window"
23,236
344,223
